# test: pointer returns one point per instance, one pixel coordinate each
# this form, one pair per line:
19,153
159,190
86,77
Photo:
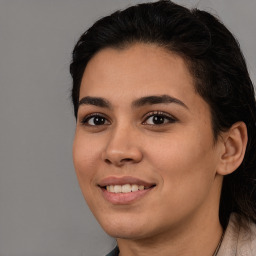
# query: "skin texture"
179,156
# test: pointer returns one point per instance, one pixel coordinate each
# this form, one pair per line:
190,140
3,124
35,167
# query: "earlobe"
234,145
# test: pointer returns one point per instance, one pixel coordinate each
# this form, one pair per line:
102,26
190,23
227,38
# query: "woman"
165,141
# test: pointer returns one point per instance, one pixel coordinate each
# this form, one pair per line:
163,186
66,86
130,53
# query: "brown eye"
158,119
95,120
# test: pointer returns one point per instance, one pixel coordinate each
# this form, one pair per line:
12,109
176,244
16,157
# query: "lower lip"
124,198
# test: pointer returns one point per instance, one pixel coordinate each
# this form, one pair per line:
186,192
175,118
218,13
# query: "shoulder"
239,238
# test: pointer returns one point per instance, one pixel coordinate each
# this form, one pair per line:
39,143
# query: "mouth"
124,190
127,188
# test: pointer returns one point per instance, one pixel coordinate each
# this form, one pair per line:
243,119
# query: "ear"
234,146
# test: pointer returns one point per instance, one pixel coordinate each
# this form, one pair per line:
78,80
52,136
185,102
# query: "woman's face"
141,123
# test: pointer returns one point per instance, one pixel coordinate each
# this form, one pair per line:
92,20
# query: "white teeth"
117,188
135,188
124,188
141,187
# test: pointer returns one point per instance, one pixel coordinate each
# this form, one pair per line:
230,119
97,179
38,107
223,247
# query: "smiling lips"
124,190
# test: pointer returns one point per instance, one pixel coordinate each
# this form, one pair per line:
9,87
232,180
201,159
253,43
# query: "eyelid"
171,118
86,118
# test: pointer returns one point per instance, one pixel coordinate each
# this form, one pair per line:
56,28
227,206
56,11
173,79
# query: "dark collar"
115,252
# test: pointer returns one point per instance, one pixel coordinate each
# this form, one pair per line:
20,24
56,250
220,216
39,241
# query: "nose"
122,148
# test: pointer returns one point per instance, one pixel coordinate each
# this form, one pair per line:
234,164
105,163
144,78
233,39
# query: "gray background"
42,211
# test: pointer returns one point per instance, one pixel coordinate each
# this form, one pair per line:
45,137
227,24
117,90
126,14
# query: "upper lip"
113,180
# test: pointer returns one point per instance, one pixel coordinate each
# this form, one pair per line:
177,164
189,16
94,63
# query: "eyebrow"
96,101
148,100
162,99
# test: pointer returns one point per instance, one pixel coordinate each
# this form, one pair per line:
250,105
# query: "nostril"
119,162
126,160
107,161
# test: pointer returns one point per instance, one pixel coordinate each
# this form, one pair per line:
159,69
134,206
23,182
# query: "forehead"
141,68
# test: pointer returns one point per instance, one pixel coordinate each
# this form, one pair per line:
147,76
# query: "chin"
125,228
132,233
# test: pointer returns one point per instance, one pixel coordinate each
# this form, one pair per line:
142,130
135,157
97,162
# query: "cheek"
185,163
85,158
177,152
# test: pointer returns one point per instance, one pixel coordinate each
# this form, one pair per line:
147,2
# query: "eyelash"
168,117
87,118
